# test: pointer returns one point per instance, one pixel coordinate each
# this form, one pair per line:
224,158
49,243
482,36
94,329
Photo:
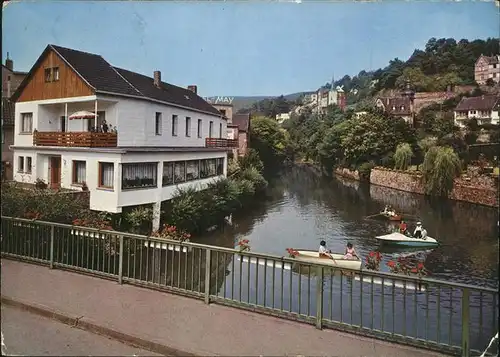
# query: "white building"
160,137
280,118
484,109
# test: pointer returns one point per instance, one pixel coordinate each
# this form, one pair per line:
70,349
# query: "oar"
373,215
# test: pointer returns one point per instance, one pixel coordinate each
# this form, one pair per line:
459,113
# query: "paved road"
31,335
181,324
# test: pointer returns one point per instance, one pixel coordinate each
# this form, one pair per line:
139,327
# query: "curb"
96,329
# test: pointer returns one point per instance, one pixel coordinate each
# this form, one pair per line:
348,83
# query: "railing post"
207,275
51,247
465,322
319,298
120,261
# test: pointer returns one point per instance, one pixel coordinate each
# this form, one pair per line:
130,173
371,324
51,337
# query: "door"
55,172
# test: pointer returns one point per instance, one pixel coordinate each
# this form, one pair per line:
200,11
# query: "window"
192,170
158,124
223,111
188,126
55,74
140,175
220,130
220,165
199,127
174,125
26,122
28,164
179,171
20,164
3,137
207,168
211,167
210,129
106,174
79,172
168,173
48,74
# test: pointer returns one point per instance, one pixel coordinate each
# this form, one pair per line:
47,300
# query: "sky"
242,48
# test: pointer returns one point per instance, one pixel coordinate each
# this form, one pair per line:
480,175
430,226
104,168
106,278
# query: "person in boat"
418,231
323,252
386,209
350,252
403,227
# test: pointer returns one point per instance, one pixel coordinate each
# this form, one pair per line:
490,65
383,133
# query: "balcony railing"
75,139
221,143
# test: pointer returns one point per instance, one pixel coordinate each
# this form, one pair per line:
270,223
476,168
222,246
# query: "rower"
402,227
418,230
323,252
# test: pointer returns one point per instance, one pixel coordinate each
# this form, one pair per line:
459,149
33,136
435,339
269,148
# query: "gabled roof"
242,121
14,72
401,105
7,111
490,59
484,102
106,79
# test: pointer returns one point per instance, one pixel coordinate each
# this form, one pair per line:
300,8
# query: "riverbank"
470,187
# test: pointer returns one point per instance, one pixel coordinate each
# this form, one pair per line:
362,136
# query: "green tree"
269,140
440,168
402,156
371,137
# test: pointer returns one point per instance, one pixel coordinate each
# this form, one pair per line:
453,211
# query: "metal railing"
221,143
448,317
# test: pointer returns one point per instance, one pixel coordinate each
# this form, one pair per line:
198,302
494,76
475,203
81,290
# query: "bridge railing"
438,315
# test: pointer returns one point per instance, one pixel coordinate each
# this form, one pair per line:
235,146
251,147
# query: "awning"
83,115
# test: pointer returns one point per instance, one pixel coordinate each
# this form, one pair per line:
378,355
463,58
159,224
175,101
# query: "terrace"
75,139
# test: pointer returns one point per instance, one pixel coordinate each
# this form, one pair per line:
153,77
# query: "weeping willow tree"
441,166
402,156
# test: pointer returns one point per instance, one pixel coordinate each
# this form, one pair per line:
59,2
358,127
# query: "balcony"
75,139
221,143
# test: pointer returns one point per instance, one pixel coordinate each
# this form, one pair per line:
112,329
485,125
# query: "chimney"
157,79
9,63
193,89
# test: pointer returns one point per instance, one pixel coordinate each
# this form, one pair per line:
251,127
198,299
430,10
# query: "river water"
301,209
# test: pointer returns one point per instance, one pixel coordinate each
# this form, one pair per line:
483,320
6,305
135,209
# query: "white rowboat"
338,261
399,239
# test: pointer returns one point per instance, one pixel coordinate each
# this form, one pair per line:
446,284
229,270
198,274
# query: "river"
300,209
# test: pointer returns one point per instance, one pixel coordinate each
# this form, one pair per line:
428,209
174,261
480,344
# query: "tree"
269,140
330,152
372,136
402,156
440,168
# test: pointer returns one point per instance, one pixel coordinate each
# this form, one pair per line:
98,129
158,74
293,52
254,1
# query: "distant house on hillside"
487,67
280,118
483,108
396,106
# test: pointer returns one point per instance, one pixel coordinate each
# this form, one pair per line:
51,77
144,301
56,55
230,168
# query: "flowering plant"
34,215
373,261
292,253
171,232
243,245
407,267
96,223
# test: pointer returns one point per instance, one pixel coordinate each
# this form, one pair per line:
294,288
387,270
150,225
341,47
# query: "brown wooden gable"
69,84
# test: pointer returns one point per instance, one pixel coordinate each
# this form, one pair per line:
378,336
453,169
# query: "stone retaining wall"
471,187
353,175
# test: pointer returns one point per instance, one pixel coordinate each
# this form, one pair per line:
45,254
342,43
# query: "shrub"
251,160
365,169
40,184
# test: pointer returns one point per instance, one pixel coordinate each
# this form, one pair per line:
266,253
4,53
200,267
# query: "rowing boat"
396,217
399,239
312,256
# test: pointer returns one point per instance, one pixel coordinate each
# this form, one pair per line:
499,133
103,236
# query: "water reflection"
301,209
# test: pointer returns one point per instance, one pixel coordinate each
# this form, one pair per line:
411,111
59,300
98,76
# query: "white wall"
136,125
111,200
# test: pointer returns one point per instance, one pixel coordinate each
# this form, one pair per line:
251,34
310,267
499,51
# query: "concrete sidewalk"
175,325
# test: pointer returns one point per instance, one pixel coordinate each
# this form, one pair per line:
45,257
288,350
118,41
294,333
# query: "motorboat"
337,260
399,239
